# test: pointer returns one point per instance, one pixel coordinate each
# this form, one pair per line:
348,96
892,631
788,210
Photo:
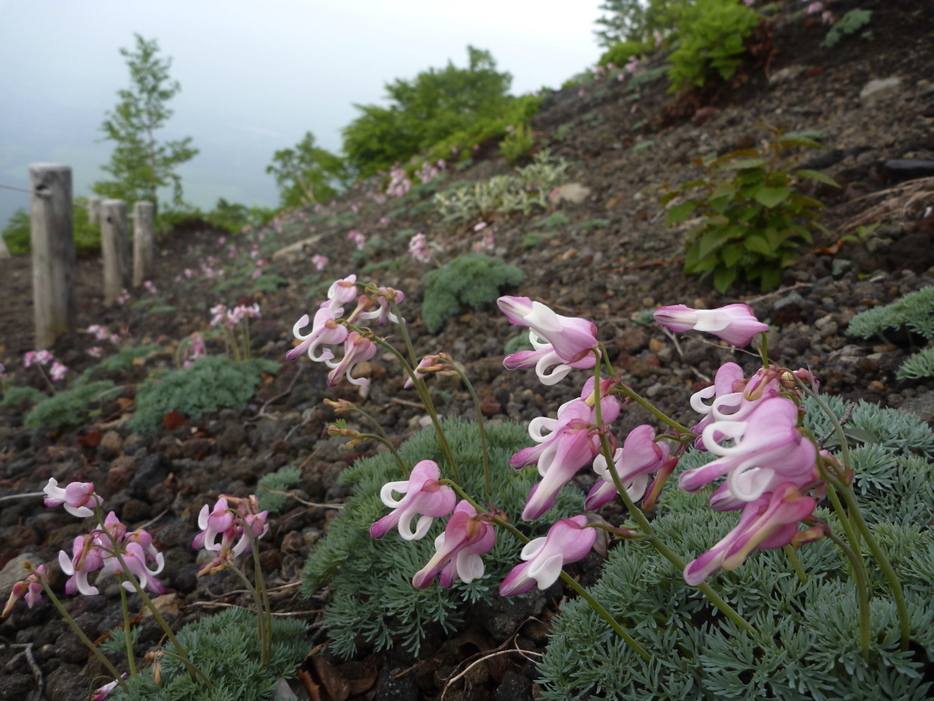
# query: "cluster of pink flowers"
770,465
221,315
196,349
358,239
399,182
418,249
124,297
151,287
320,262
486,243
44,357
228,531
429,172
326,329
101,333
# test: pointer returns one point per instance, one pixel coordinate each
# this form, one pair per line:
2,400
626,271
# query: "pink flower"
223,525
358,239
428,363
424,495
30,588
357,349
567,541
384,313
635,462
571,444
57,371
150,287
78,497
324,330
770,450
320,262
466,537
480,226
86,558
341,292
815,7
542,358
418,249
123,298
571,339
734,323
41,357
768,522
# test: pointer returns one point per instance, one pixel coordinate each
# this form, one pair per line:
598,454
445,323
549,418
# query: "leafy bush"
206,385
914,311
517,143
809,645
373,600
850,23
424,111
753,222
529,187
472,280
280,481
121,361
712,34
620,53
307,173
918,366
71,407
233,217
269,283
226,648
15,396
638,21
87,236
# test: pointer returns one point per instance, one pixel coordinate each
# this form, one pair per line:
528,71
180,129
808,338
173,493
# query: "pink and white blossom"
466,537
571,339
639,458
324,331
78,498
567,541
357,349
425,496
734,323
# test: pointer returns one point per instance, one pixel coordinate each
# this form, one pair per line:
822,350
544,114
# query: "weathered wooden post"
114,249
142,242
94,210
53,251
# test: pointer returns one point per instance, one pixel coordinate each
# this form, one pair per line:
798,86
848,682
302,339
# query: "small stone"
655,345
571,192
490,407
112,441
879,88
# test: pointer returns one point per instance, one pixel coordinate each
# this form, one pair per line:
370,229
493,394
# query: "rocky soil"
608,259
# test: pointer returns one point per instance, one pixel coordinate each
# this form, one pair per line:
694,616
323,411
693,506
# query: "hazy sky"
255,74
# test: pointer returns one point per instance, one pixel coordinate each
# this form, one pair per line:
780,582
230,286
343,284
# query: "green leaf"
771,277
772,196
745,164
816,175
790,142
758,244
681,212
723,278
730,255
733,155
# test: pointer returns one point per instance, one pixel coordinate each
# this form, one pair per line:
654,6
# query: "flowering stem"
903,618
261,621
384,439
128,638
636,513
796,563
483,446
862,591
423,394
605,615
47,380
263,609
764,349
82,637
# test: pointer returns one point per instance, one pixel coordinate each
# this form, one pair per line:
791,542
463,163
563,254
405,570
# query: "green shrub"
918,366
639,21
619,54
71,407
15,396
226,648
914,311
809,647
553,220
472,280
233,217
712,34
373,600
121,361
206,385
269,283
280,481
850,23
517,143
87,236
752,222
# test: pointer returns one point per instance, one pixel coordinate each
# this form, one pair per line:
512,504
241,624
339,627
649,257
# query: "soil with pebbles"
609,259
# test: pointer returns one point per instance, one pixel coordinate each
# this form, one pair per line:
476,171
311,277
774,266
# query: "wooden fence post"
142,242
53,251
114,249
94,210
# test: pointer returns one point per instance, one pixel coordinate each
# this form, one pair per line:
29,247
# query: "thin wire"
14,187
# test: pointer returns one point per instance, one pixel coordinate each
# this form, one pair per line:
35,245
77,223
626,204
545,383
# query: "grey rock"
792,298
513,687
63,684
879,88
921,406
150,471
15,687
402,688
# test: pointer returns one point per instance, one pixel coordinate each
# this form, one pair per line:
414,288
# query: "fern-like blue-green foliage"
15,396
809,650
373,600
471,281
918,366
914,311
206,385
225,647
70,407
280,481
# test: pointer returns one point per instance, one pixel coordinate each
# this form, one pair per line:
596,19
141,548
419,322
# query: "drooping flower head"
567,541
734,323
425,496
466,537
29,588
357,349
571,339
78,498
635,462
324,331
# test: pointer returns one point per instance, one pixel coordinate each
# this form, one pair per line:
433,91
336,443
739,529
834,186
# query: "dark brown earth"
612,262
